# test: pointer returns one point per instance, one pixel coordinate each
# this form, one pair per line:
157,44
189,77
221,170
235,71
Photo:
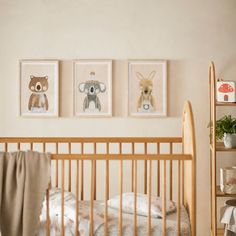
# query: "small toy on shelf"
225,91
228,180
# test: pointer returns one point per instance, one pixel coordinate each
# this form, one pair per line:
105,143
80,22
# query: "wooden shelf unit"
221,148
220,232
214,148
226,104
219,193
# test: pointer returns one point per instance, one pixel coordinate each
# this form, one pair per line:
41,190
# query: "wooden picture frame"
92,88
147,89
39,88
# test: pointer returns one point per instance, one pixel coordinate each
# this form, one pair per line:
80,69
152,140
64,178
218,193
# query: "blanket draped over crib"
24,178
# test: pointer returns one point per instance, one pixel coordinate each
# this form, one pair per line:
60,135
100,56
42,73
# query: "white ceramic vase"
230,140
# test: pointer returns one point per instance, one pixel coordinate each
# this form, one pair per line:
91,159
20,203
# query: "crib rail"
167,158
71,140
115,157
149,159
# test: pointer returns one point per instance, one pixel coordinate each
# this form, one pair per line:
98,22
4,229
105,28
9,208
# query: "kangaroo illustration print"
147,88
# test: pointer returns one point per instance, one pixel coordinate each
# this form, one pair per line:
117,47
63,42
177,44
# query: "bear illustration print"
38,101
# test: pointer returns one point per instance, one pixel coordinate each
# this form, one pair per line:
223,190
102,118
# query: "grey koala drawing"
92,88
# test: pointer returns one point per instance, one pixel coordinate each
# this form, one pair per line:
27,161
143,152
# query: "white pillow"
142,204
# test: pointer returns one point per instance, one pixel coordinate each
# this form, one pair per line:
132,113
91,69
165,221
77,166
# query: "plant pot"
230,140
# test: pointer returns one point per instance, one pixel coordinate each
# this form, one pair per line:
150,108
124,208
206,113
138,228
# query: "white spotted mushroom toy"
225,91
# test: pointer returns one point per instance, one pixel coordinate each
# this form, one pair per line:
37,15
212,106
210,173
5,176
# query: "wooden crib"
69,174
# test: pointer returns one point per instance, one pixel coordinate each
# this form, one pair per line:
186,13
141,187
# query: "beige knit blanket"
24,178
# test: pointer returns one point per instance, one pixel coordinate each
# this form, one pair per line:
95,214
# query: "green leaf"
227,124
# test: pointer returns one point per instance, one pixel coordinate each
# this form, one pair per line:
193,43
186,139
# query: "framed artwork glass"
39,85
92,88
147,88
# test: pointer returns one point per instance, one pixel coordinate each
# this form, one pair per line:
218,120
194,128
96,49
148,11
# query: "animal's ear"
46,77
81,87
139,75
152,74
31,76
102,87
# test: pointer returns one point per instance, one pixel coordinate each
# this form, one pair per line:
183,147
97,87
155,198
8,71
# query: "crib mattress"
113,222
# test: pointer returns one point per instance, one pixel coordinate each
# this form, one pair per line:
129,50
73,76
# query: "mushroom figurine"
225,91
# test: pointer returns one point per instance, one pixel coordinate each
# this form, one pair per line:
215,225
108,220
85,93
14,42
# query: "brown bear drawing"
38,101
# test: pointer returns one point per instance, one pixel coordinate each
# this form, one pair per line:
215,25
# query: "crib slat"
47,203
121,192
6,147
56,166
69,169
47,213
62,198
158,171
82,175
106,197
145,170
31,146
135,198
92,196
170,172
164,201
132,173
77,200
106,192
178,201
183,182
149,197
108,173
95,172
18,146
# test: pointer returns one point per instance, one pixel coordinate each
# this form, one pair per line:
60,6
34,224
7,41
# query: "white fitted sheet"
113,223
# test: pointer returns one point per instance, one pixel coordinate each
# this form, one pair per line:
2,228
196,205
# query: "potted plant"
226,130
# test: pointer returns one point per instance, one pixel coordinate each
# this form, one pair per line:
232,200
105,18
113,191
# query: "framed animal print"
39,85
92,88
148,88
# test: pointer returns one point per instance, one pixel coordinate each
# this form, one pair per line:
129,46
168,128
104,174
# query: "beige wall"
187,33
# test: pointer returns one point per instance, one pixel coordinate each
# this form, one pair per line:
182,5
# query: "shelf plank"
219,193
221,148
226,104
220,232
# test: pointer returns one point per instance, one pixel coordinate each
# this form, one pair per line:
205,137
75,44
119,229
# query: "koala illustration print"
92,88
